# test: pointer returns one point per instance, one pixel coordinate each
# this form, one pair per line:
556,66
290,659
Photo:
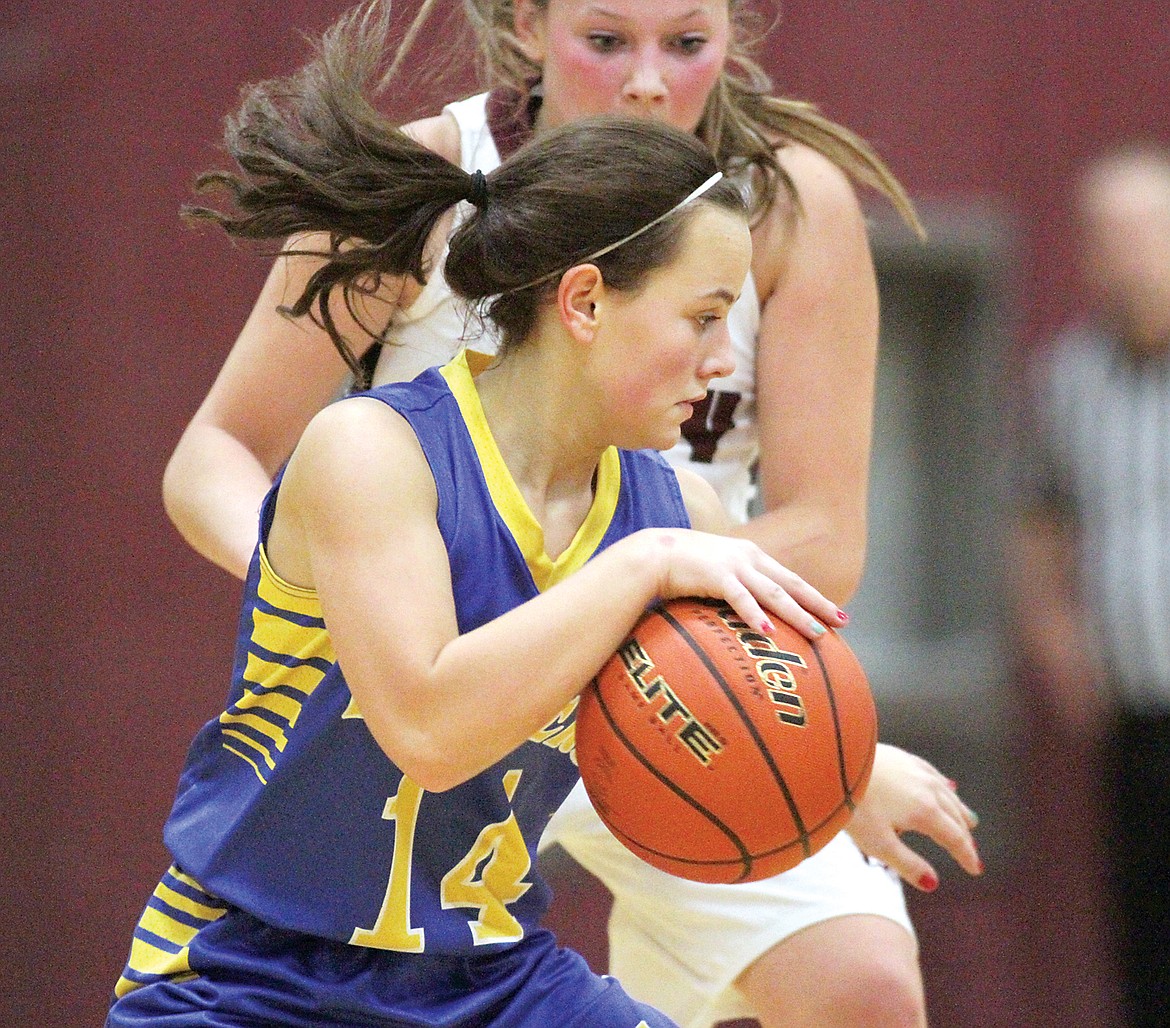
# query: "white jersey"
677,945
719,442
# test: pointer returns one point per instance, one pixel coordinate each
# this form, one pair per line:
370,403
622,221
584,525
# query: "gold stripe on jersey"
561,732
302,679
275,590
287,707
247,760
243,744
178,910
506,495
289,653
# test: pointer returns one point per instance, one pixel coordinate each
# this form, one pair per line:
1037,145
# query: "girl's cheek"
634,394
592,87
696,78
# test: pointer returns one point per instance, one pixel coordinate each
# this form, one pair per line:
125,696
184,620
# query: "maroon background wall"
117,318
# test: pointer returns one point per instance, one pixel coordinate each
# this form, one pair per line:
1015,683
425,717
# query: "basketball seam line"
715,820
846,789
793,809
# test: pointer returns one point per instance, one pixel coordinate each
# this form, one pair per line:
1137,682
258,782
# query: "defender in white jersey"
805,392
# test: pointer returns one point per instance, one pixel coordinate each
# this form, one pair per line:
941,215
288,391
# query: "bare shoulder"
357,468
829,220
819,182
439,133
703,505
355,435
825,191
357,453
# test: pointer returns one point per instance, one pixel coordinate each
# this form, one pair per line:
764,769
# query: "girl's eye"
689,45
705,320
604,42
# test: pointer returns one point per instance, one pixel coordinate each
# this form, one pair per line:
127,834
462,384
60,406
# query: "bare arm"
277,376
815,376
815,368
360,529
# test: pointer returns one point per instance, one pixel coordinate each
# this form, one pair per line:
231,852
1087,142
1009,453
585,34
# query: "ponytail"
316,157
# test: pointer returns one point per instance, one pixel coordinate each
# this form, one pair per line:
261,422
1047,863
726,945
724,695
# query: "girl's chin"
668,440
661,436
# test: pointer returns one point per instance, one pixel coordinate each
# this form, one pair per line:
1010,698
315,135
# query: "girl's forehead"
641,10
714,257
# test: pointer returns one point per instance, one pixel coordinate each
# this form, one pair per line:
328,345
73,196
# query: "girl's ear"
528,22
579,296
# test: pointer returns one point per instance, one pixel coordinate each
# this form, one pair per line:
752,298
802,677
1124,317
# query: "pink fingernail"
842,617
928,882
767,626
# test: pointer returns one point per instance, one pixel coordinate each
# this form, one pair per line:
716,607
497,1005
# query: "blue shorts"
247,973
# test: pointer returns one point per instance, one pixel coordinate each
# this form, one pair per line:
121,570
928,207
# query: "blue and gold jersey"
289,810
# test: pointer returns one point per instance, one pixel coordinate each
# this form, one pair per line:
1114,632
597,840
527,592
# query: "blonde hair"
743,122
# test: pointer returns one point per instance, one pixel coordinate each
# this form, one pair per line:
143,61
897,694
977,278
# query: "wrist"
644,560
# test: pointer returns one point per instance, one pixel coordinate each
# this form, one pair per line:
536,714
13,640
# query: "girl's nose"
720,362
645,84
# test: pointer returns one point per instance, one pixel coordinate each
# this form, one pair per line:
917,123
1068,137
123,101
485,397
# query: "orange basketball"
720,754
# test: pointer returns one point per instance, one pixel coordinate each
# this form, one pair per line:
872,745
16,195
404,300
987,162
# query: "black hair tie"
477,188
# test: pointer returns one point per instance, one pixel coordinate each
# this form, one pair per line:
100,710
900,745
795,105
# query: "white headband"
690,197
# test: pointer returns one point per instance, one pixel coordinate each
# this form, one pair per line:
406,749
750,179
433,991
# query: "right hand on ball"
697,563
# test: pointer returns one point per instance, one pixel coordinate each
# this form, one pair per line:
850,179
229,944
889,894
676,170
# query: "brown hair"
314,155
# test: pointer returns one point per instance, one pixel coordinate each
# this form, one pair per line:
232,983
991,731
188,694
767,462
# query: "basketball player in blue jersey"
442,566
804,336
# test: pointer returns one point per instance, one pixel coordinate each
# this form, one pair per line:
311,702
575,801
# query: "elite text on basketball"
691,732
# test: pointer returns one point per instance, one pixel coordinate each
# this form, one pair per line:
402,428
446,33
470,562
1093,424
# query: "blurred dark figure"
1092,558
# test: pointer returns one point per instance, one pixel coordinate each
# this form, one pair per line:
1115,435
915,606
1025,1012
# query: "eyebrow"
601,9
720,294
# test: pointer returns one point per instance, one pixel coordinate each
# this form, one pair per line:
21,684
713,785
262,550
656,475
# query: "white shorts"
681,945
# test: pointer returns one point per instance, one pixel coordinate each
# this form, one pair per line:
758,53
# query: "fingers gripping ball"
722,755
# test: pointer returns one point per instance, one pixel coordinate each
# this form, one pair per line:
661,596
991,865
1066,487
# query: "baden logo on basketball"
773,665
